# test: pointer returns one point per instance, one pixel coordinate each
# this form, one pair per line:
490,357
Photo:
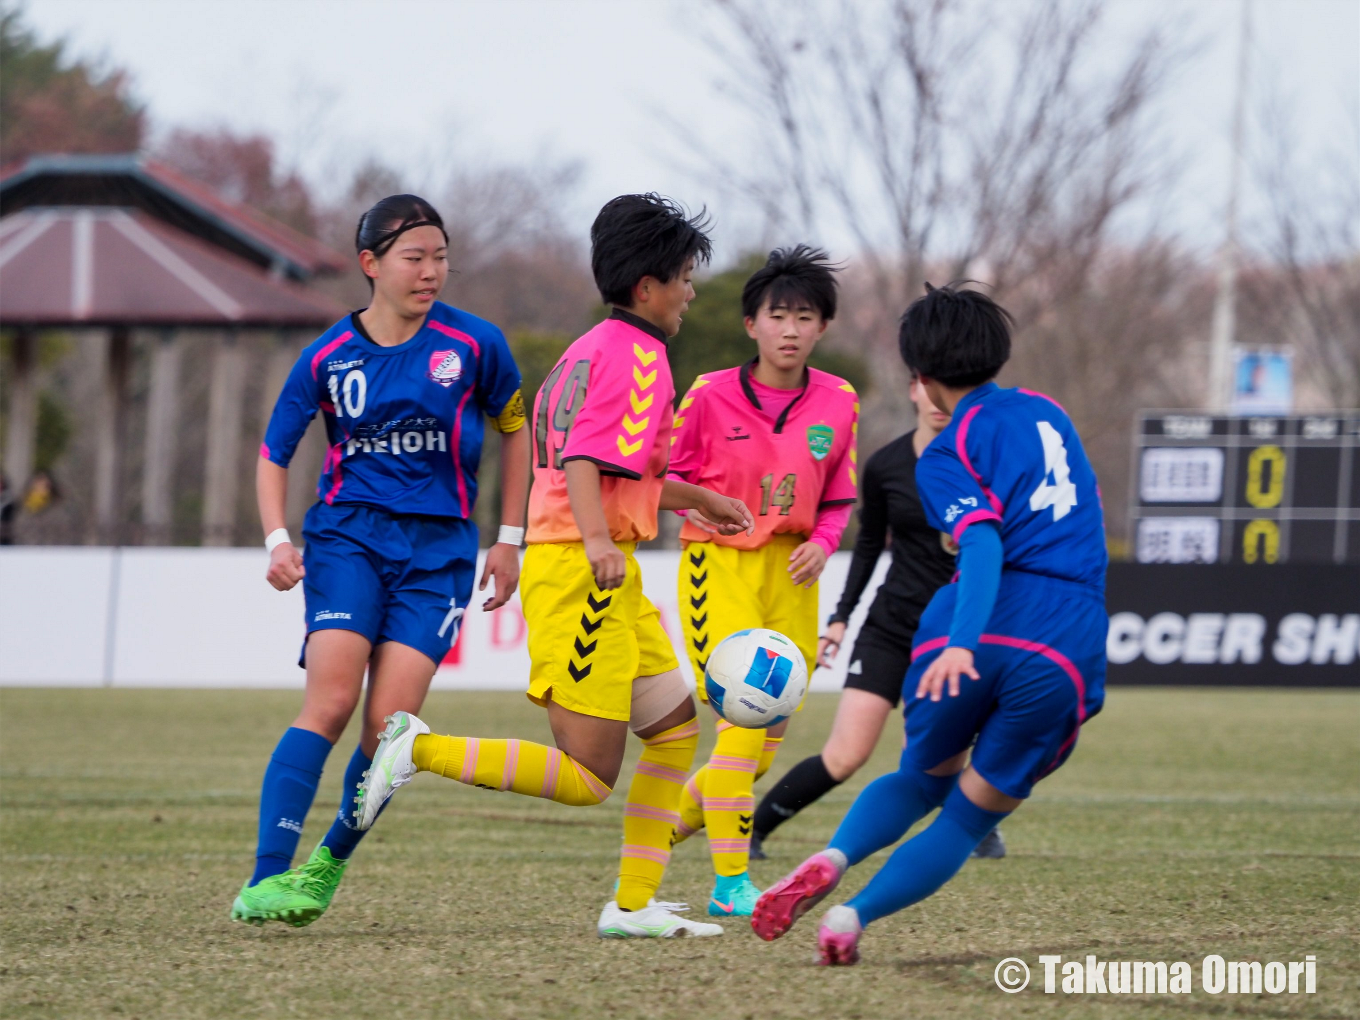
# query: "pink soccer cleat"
792,897
838,937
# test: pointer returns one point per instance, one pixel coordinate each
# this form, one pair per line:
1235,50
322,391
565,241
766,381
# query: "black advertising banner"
1284,625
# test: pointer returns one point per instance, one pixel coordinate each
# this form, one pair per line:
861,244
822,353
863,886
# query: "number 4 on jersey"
1061,495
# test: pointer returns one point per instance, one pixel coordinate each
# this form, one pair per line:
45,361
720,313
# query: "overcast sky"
430,82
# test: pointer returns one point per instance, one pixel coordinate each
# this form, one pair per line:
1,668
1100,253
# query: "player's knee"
843,758
659,703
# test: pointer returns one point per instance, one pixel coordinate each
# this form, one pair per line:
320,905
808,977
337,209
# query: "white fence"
143,617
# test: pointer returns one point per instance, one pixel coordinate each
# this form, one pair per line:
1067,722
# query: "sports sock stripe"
730,763
689,729
511,763
664,772
654,813
468,774
729,803
647,853
553,766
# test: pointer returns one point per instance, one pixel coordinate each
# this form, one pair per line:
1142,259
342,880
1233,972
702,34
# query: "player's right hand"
729,516
285,567
829,644
607,562
946,669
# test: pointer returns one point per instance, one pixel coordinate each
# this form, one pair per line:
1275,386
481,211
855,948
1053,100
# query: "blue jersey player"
404,386
1024,623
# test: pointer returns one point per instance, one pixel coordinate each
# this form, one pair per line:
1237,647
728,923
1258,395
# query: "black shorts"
879,664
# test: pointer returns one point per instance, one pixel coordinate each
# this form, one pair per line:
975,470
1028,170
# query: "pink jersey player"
608,400
789,454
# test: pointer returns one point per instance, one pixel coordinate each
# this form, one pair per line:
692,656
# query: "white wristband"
510,536
275,539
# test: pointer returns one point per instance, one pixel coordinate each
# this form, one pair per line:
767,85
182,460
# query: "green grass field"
1188,822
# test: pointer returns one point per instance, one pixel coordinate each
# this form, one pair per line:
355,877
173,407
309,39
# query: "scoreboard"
1219,489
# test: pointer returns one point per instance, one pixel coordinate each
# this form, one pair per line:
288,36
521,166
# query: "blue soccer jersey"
1013,456
404,423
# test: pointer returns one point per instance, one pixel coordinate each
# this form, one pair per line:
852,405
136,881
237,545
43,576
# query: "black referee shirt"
920,563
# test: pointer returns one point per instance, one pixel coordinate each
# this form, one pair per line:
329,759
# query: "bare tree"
1310,296
950,139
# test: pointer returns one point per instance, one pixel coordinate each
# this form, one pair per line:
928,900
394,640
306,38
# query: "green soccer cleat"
733,896
277,898
320,877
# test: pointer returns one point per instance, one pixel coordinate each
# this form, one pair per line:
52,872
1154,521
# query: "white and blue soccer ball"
755,678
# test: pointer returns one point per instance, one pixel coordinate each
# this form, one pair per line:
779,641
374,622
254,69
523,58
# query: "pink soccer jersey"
607,400
786,453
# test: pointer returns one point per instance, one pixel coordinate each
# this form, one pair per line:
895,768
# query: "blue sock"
290,783
928,860
887,808
343,837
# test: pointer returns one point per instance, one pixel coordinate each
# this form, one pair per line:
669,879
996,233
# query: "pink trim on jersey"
326,406
1049,653
455,440
264,450
961,447
970,519
926,647
320,355
1052,654
333,456
457,334
1041,396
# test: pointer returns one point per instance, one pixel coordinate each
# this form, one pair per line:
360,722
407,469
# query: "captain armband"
511,419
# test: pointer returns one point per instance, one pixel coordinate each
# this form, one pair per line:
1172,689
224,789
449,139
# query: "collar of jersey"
974,396
744,374
362,338
638,322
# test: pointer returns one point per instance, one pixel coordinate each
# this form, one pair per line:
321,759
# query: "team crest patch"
446,367
820,438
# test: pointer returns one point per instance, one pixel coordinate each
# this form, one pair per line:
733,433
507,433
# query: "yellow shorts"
723,590
586,647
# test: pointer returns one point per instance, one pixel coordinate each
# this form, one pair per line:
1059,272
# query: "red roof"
111,266
133,182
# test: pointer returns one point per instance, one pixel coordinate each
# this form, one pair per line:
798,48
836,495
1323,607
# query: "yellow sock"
650,816
767,754
691,806
727,801
520,766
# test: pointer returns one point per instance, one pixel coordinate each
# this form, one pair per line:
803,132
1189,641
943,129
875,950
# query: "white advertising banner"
179,617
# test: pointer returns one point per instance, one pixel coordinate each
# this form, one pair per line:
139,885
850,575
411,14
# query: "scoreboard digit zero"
1218,489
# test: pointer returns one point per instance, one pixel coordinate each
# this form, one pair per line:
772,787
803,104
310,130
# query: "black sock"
801,785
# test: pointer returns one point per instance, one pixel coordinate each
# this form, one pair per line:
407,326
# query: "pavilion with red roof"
122,250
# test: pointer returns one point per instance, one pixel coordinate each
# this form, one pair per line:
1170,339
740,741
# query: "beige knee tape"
655,697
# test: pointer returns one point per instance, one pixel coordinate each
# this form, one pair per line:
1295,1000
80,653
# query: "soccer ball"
755,678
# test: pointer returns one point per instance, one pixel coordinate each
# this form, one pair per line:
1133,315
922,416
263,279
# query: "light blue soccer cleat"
733,896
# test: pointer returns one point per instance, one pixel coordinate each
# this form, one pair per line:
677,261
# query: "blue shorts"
1042,661
389,577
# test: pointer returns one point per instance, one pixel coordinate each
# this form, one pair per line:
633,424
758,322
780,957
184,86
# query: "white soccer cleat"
392,767
654,921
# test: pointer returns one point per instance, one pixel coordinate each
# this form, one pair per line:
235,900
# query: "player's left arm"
498,385
980,559
808,560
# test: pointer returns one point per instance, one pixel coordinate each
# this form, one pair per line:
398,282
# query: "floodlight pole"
1225,304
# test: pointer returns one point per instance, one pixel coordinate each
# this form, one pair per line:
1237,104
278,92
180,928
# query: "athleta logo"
326,614
290,825
445,367
955,511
